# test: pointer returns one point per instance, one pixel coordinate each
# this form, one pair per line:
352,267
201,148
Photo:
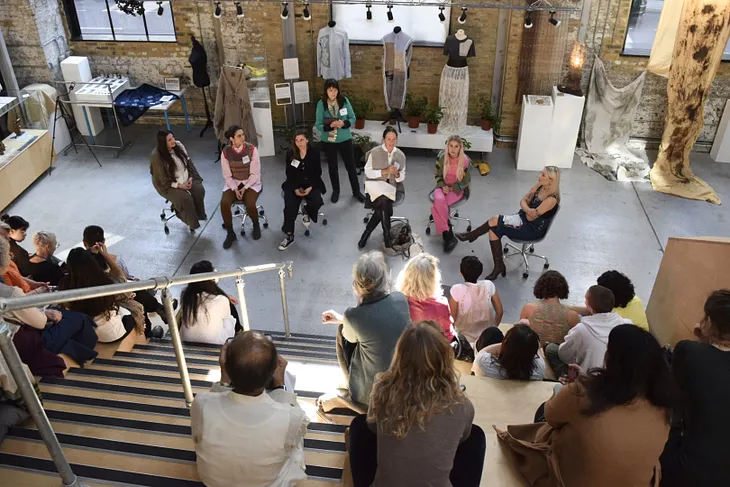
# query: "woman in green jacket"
452,180
334,118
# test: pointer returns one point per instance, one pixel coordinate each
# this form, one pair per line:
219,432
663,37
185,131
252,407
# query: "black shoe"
359,197
364,238
230,238
449,241
288,240
335,196
157,332
256,231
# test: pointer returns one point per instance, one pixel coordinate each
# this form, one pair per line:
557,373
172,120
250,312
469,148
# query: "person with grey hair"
367,333
43,266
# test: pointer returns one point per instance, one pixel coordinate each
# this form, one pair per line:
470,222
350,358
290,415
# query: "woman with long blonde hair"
418,430
537,209
452,181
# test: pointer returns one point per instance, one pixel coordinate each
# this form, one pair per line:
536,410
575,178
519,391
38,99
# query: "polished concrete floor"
601,225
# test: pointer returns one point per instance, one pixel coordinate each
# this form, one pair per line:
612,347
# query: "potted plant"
489,118
361,145
432,115
414,110
363,107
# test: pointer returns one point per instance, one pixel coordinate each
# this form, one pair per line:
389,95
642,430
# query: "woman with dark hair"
207,316
515,357
550,318
18,230
628,304
697,451
303,182
334,118
418,430
174,176
606,428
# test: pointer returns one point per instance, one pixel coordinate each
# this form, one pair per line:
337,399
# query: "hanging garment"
333,54
607,126
396,60
666,33
233,105
199,62
454,89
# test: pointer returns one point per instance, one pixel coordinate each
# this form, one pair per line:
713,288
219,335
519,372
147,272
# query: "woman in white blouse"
208,314
385,171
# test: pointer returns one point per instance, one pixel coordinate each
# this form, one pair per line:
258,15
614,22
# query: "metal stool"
303,212
238,210
528,248
453,211
168,213
400,195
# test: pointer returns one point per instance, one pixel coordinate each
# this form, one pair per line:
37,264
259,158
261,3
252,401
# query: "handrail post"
177,346
284,306
243,307
35,408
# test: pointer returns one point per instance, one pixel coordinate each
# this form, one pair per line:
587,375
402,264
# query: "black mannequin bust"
331,23
397,29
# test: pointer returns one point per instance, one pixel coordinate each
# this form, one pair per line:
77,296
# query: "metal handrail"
35,408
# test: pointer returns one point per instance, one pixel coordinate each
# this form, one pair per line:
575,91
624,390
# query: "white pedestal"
720,151
481,140
76,68
567,114
533,143
261,111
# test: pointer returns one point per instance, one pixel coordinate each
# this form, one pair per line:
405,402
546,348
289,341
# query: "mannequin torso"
458,47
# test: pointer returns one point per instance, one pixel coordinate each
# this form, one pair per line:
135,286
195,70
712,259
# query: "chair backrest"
550,222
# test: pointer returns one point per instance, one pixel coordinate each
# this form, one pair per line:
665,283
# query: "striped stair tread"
283,344
296,353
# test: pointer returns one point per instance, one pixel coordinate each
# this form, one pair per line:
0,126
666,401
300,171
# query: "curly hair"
421,277
551,284
620,285
420,382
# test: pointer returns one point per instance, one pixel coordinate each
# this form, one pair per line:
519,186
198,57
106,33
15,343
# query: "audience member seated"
18,230
176,179
514,357
697,450
418,430
54,331
43,266
607,428
12,276
208,315
420,282
249,430
13,410
475,305
452,181
550,318
367,333
585,343
628,303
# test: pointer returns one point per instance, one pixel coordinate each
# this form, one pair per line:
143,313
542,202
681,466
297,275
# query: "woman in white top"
475,305
208,315
385,171
515,357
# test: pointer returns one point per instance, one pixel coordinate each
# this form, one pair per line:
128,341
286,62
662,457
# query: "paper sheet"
291,68
301,92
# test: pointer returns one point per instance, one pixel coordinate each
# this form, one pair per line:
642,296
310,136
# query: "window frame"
74,27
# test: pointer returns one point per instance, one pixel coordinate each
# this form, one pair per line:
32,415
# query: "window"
643,23
101,20
420,22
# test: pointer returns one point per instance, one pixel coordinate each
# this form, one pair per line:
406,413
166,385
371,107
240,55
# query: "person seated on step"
18,231
419,427
384,170
37,332
13,409
208,315
94,239
303,182
512,356
607,426
13,277
249,429
43,266
475,305
452,180
628,303
585,343
537,209
548,317
420,282
241,168
176,179
367,333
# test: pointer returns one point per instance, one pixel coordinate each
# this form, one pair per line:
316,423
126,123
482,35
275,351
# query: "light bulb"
218,10
462,17
390,13
285,10
160,10
368,14
306,15
528,20
442,17
553,20
239,10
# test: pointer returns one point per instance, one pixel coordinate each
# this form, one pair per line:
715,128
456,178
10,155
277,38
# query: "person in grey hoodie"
585,344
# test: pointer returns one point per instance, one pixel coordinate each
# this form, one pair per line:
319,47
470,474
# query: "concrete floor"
602,225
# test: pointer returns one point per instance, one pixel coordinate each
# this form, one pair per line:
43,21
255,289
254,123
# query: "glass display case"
257,80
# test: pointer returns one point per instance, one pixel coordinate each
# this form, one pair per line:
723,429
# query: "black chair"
167,214
302,211
528,247
453,211
400,195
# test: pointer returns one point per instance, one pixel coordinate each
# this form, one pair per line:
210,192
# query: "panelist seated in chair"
384,170
452,182
537,209
303,182
242,173
176,179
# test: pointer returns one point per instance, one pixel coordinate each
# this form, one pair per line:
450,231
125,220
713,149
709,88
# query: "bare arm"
527,311
498,308
525,202
573,318
581,310
454,307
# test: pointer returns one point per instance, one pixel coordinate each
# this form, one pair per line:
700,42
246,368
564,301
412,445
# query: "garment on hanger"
233,105
333,54
454,88
199,62
397,51
666,33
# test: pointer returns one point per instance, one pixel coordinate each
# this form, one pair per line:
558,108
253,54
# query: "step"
17,477
290,354
281,346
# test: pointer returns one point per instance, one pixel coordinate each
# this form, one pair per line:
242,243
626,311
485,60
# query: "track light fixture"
528,20
442,17
218,10
306,14
462,17
390,13
553,20
284,10
239,10
368,14
160,10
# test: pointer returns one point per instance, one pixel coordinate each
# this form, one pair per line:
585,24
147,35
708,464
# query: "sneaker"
286,242
306,221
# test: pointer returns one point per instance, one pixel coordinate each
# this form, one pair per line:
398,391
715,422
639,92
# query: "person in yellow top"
628,305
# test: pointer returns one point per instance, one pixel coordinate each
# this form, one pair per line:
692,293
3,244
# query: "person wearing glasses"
537,209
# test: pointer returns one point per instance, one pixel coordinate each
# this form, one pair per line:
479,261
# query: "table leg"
88,125
111,117
185,111
167,121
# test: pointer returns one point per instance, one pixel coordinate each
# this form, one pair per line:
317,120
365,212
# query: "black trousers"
291,207
348,157
382,212
363,448
234,312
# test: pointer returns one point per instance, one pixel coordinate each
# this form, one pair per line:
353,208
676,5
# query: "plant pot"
432,128
486,125
360,123
414,122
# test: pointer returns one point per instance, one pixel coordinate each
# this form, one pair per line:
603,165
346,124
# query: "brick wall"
18,24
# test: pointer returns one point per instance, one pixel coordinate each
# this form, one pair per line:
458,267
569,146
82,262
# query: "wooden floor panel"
155,401
24,478
116,413
213,359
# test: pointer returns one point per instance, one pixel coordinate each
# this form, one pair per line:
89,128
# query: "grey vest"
380,161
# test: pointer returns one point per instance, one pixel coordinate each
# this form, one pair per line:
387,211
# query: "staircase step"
18,477
281,345
295,354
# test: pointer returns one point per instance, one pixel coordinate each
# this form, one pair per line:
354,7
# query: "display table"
25,159
721,145
481,140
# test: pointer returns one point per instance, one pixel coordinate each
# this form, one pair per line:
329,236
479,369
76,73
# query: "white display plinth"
481,140
567,114
533,143
720,151
76,68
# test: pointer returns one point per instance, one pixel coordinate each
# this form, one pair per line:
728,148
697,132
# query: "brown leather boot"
474,234
497,256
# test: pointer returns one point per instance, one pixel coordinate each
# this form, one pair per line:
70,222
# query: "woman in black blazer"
303,181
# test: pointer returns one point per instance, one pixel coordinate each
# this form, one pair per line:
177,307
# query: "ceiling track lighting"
368,14
239,10
462,17
442,17
284,10
160,9
218,10
553,20
306,14
390,13
528,20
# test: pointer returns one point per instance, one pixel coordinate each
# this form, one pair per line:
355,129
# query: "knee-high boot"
385,223
474,234
372,223
498,257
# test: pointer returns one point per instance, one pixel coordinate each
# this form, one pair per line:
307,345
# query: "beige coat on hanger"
233,105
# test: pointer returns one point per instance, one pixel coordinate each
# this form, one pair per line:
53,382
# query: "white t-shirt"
213,322
110,329
181,170
485,365
476,312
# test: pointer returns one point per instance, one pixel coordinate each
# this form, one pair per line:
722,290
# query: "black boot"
385,223
359,196
449,240
335,195
230,238
474,234
497,256
374,220
256,231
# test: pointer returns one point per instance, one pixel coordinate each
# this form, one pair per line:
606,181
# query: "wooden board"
26,167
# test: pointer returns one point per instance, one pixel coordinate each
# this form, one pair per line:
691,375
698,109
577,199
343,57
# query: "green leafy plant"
433,114
467,144
362,106
361,140
486,110
415,106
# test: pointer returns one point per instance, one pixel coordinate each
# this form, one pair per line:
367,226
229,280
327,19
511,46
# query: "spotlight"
369,14
239,10
306,15
285,10
390,13
528,20
462,17
160,10
442,17
218,10
552,19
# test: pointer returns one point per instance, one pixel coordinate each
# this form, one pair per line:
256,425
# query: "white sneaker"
306,221
286,242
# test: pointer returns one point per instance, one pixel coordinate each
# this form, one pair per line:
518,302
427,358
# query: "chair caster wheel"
505,250
428,230
525,275
162,216
243,233
306,233
468,229
365,220
430,218
266,224
223,226
531,249
167,231
546,266
456,215
261,212
324,222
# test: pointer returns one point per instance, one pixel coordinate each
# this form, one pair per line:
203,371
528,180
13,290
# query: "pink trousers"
440,208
